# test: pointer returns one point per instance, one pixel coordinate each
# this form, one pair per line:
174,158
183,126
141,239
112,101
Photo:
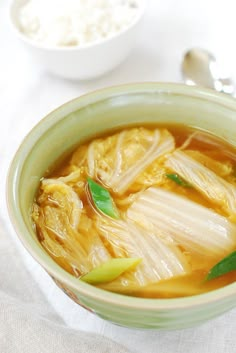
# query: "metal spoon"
199,67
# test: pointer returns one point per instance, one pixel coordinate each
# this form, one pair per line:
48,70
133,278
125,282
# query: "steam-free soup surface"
160,198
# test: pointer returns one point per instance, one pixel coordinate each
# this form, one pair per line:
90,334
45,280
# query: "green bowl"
87,116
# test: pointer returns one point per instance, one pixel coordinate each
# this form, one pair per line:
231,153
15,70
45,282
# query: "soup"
146,211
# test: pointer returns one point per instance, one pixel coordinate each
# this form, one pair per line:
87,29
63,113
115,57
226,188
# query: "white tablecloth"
27,94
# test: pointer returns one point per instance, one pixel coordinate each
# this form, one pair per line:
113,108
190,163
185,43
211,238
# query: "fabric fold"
28,323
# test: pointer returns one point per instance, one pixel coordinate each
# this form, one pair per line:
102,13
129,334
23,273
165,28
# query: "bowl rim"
32,42
51,267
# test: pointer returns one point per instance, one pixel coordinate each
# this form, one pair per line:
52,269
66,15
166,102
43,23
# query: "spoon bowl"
199,67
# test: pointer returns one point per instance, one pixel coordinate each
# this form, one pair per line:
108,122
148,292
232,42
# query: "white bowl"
81,62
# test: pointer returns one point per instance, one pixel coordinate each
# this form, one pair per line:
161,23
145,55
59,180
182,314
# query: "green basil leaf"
226,265
102,199
178,180
110,270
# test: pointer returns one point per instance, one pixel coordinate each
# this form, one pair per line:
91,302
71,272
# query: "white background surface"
27,94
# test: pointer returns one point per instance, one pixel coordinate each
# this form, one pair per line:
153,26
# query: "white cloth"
28,323
26,95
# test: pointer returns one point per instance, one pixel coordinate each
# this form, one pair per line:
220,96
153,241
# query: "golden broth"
223,156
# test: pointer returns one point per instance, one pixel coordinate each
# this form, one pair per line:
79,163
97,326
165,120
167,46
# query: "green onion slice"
102,199
178,180
110,270
226,265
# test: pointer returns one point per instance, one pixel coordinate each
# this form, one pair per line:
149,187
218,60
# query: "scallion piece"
226,265
110,270
102,199
178,180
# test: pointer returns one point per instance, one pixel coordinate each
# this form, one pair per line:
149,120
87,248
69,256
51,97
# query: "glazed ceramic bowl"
92,114
81,62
